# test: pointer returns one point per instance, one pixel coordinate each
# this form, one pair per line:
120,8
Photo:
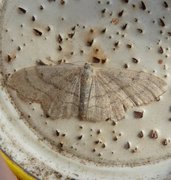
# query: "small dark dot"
140,30
124,26
79,137
160,50
48,28
116,44
115,138
19,48
135,20
103,30
120,14
134,60
125,1
57,133
37,32
90,42
161,22
127,145
41,7
165,4
62,2
33,18
59,48
103,11
21,10
125,66
129,46
142,6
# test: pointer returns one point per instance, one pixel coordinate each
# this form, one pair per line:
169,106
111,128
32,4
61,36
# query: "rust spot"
141,134
138,114
153,134
160,50
160,61
127,145
115,21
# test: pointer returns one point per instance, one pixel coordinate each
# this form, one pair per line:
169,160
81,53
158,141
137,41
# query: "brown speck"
60,145
120,14
99,154
165,142
71,35
160,61
169,33
103,11
160,50
165,4
124,26
153,134
125,1
41,7
103,145
89,42
98,131
96,60
138,114
141,134
142,6
37,32
62,2
134,60
59,48
93,150
57,133
140,30
9,58
59,39
81,51
116,44
103,61
21,10
115,138
161,22
33,18
48,28
113,123
115,21
96,142
79,137
91,31
127,145
134,150
125,66
129,46
19,48
103,30
40,63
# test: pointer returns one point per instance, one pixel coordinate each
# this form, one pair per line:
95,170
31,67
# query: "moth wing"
56,88
115,91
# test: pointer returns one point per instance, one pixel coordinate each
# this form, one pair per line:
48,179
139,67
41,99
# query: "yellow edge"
18,171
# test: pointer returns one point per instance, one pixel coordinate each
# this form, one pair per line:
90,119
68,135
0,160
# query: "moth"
86,92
